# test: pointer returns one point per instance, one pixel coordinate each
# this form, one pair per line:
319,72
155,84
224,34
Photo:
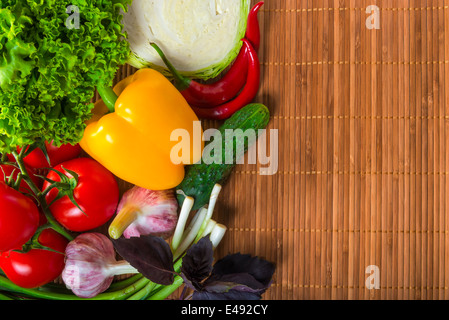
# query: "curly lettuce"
49,69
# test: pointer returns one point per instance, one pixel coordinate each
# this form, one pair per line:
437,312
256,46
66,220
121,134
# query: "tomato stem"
16,185
47,190
40,197
34,243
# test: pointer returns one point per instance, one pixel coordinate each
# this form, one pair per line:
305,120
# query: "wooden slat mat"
363,176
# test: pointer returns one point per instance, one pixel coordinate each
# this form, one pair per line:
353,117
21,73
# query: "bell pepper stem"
108,96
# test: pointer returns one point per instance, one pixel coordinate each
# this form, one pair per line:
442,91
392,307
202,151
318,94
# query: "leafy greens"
49,72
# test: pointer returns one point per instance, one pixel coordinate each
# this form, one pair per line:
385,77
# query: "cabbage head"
199,37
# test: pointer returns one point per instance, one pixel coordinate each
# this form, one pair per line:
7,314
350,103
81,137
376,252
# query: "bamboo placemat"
363,177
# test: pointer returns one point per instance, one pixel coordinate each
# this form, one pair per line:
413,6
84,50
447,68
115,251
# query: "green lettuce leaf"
49,72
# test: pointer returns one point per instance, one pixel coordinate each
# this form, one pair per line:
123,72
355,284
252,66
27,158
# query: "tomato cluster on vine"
47,195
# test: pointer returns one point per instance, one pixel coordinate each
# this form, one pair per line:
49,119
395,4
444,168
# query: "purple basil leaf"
190,284
230,295
236,281
223,287
197,263
150,255
261,270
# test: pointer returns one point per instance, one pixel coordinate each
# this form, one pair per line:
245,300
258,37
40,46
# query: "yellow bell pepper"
134,141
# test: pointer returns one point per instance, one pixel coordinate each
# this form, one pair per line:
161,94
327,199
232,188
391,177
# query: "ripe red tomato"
19,218
96,193
36,159
6,170
37,266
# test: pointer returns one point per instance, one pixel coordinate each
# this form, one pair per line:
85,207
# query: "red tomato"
36,159
6,170
97,194
38,266
19,218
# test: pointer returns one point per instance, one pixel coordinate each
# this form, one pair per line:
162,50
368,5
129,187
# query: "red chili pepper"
252,27
209,95
248,93
214,94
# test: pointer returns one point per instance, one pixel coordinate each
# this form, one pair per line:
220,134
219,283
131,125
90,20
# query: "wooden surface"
363,177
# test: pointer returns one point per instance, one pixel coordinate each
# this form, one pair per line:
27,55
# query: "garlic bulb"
145,212
91,265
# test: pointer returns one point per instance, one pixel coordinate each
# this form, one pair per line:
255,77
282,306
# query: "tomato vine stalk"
39,196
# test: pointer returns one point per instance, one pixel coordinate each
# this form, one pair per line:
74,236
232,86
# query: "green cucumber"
200,178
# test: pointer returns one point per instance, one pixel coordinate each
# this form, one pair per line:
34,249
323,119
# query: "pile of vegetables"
62,156
53,234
